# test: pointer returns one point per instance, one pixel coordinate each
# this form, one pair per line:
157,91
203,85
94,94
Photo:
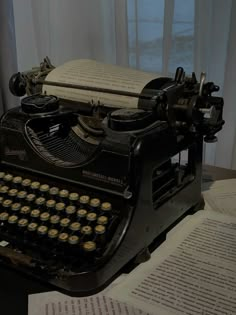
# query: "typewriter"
86,190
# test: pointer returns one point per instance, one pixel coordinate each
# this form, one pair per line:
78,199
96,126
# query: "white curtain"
153,35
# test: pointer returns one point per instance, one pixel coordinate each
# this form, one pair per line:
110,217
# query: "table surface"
15,288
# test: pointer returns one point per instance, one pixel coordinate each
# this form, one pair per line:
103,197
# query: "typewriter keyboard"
51,221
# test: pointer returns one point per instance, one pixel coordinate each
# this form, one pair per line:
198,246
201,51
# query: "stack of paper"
192,272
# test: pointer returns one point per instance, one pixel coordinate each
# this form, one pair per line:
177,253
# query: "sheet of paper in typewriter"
95,74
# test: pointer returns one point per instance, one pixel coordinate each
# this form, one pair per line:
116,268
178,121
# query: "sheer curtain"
152,35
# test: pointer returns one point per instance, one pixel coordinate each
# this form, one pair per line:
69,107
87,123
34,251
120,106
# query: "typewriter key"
84,200
3,219
70,210
106,208
53,234
40,202
44,190
103,220
7,178
25,210
13,193
2,174
54,220
15,208
30,198
81,215
21,196
75,227
31,231
54,192
35,214
86,232
91,218
17,180
6,205
89,248
73,240
94,203
4,191
44,217
50,204
100,231
1,201
34,187
42,231
64,223
63,237
64,194
22,225
73,198
12,221
26,184
60,206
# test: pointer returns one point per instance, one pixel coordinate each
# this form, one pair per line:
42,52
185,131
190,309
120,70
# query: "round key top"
4,216
84,200
74,196
40,201
1,200
89,246
60,206
17,180
32,227
35,185
21,195
44,216
16,207
86,230
81,213
22,223
4,190
44,188
2,174
42,230
99,229
63,237
102,220
25,210
54,191
64,193
70,210
95,202
8,177
26,183
7,203
73,240
13,192
106,206
91,217
75,226
65,222
35,213
53,233
30,197
13,219
55,219
50,203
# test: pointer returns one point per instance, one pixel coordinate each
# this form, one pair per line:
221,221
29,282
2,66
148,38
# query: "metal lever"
202,81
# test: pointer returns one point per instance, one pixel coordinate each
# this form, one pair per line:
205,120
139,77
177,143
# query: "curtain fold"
8,63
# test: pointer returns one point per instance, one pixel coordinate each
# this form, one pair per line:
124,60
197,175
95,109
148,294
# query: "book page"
96,74
55,303
221,196
192,272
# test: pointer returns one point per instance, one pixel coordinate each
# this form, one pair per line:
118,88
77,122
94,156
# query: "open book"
192,272
95,74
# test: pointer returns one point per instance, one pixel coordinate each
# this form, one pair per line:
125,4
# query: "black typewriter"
84,194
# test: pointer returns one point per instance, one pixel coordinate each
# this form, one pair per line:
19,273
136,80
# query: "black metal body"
133,168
